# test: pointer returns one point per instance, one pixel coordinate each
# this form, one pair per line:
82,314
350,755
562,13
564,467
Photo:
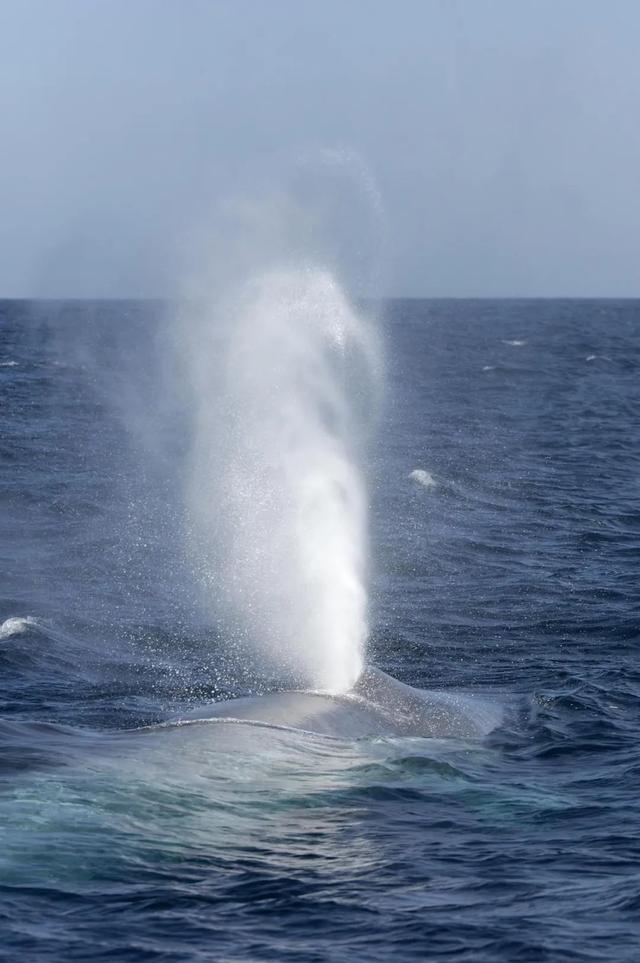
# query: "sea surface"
505,560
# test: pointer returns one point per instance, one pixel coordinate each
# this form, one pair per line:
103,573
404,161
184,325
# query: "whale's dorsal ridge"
378,705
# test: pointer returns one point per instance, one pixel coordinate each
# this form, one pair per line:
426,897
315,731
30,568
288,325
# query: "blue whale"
378,705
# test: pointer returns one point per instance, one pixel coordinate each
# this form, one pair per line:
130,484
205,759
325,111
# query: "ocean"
503,475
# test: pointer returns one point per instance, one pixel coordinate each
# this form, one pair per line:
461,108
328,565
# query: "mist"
503,138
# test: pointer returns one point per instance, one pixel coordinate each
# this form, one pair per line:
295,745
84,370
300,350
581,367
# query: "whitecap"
488,367
16,625
8,364
422,477
515,343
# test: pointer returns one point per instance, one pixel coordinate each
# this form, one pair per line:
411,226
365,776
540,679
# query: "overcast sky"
503,136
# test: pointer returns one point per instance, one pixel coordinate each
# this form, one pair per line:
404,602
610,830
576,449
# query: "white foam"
16,625
424,478
8,364
488,367
515,343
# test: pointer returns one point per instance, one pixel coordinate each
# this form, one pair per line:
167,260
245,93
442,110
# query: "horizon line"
387,297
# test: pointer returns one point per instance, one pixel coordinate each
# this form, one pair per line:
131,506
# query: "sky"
491,146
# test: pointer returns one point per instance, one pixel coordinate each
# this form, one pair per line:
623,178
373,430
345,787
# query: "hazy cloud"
503,137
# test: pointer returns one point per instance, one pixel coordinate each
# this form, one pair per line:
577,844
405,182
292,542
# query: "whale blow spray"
284,375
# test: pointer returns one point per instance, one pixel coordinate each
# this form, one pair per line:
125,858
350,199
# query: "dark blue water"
514,572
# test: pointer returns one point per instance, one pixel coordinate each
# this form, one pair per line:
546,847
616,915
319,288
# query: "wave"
422,477
16,625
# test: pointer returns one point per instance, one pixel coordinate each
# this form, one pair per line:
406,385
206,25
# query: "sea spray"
284,375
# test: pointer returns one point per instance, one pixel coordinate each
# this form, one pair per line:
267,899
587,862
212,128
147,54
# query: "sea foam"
423,478
16,625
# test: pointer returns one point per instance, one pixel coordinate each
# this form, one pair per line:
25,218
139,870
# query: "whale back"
378,705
